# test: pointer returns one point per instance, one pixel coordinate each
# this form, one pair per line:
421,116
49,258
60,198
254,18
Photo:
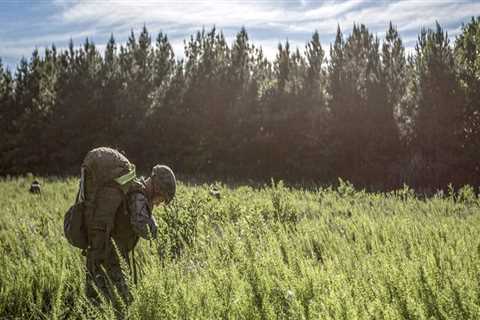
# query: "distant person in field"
35,187
117,211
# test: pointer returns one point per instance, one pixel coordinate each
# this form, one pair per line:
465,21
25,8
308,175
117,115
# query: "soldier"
118,212
35,187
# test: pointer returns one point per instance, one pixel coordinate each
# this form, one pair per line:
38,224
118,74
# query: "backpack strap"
126,178
81,187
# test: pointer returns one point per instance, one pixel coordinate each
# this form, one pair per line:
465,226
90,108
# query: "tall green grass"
268,253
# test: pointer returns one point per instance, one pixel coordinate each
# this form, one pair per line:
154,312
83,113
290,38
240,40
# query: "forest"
362,109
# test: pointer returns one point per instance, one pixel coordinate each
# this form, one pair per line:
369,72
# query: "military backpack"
101,166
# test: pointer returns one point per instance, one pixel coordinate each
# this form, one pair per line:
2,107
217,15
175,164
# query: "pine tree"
285,113
27,96
438,118
341,96
241,101
206,98
261,89
7,116
89,88
336,58
336,74
136,98
467,48
383,134
315,130
315,75
363,128
158,129
139,71
240,58
110,94
163,61
78,116
282,67
8,119
394,67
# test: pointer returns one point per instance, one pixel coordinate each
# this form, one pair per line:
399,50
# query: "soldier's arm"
141,218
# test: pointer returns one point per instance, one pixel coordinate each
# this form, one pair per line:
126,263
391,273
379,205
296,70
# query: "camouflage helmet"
164,181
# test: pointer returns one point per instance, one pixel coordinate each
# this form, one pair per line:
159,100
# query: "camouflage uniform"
121,216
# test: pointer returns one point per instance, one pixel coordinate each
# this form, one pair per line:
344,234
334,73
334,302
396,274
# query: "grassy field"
268,253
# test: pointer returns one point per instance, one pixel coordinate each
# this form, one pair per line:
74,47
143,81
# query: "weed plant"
267,253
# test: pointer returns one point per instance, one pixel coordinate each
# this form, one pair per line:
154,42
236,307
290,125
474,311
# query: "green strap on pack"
126,177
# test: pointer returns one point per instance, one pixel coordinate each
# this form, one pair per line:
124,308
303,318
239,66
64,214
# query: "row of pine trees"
369,113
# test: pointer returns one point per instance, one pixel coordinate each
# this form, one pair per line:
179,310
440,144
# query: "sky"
29,24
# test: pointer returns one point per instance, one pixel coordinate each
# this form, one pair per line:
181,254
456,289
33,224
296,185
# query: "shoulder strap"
126,178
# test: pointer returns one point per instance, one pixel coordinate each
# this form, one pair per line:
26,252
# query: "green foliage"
467,59
283,212
367,114
178,226
437,129
271,252
364,131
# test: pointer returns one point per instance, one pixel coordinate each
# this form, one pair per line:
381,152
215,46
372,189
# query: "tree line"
369,113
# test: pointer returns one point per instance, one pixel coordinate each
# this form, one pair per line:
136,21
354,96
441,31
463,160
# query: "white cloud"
271,21
48,39
407,14
224,14
333,9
